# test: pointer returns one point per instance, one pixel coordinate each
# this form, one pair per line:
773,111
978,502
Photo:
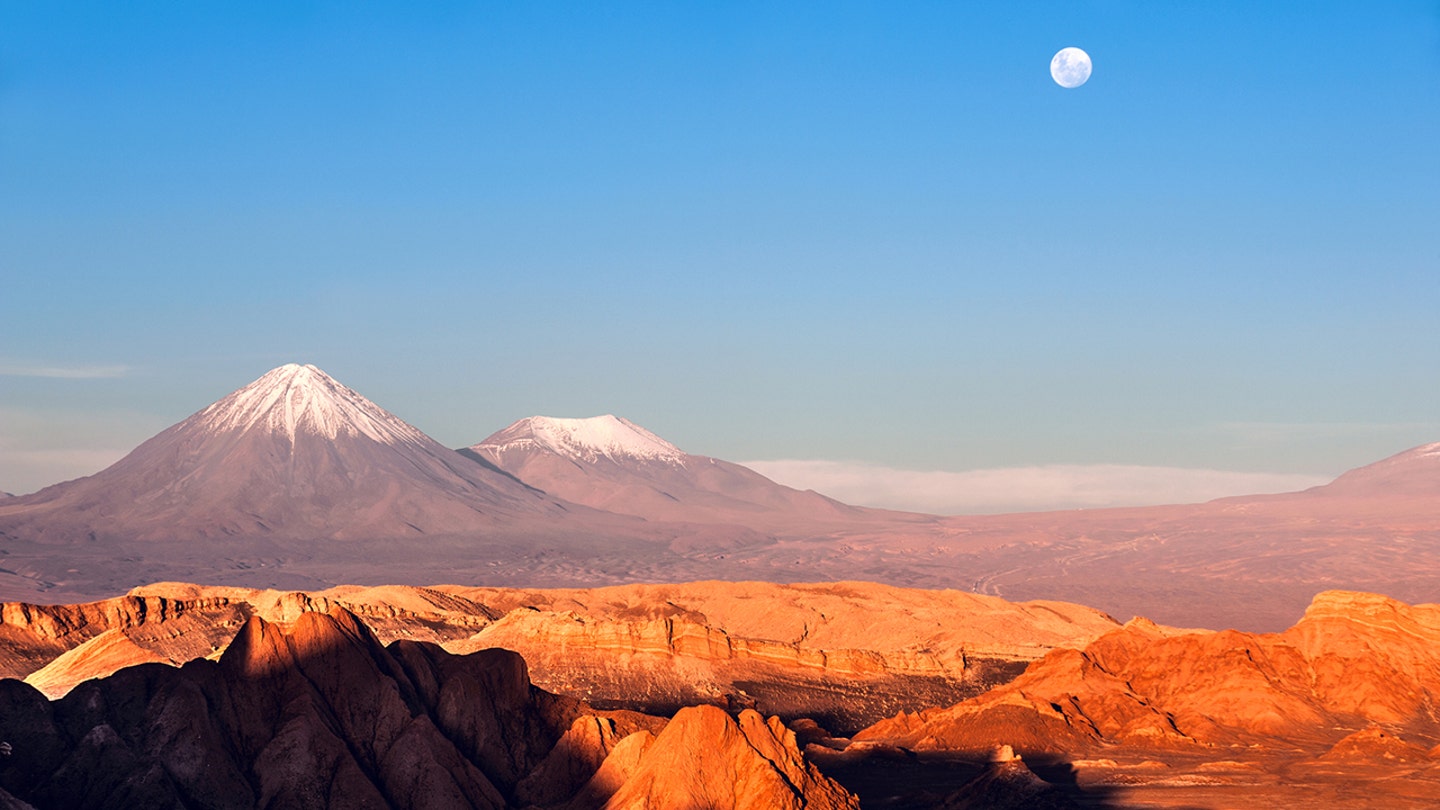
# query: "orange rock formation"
319,714
1354,660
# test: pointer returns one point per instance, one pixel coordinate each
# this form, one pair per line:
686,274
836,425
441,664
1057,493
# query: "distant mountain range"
296,481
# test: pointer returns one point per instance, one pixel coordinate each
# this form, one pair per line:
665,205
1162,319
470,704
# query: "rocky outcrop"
317,713
1354,660
1376,746
1008,784
707,759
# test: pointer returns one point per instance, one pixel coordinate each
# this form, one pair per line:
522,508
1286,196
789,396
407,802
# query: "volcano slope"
846,654
1340,710
319,714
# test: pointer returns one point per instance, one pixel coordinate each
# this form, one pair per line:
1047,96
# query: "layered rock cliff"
846,653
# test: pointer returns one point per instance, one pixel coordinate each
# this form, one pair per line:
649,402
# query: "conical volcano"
294,454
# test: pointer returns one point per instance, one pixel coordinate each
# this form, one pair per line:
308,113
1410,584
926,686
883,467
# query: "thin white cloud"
1309,431
1023,489
63,372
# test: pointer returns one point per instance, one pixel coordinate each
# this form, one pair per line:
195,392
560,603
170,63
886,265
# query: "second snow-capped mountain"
614,464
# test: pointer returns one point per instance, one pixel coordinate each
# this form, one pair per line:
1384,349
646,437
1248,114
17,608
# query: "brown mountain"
319,714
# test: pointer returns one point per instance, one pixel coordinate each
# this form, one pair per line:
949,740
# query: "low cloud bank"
1022,489
63,372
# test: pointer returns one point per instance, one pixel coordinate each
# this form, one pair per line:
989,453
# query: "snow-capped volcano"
611,463
588,440
294,399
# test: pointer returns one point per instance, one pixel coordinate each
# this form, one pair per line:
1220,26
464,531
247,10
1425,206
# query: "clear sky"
846,232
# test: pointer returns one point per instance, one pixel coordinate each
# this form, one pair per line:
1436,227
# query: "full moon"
1070,67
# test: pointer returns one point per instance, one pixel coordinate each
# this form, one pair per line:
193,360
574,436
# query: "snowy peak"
295,399
588,440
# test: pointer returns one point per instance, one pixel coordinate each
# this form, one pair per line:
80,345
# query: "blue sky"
867,232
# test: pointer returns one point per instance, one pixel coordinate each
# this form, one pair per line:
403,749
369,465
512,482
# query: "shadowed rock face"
1354,661
319,714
